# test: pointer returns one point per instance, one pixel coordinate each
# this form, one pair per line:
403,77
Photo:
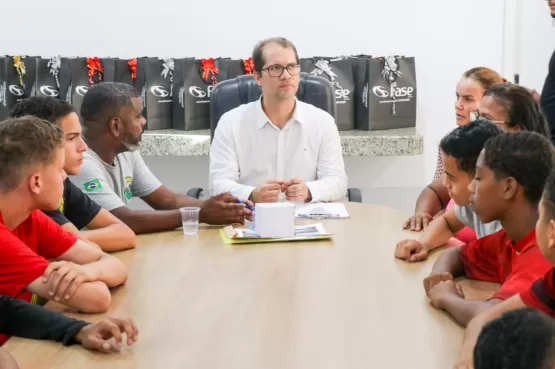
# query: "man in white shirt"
277,144
113,171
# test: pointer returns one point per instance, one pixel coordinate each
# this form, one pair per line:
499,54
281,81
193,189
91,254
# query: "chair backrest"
231,93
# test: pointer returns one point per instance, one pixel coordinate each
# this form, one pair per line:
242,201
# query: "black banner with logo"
340,73
195,80
20,79
53,77
4,112
159,85
79,82
389,94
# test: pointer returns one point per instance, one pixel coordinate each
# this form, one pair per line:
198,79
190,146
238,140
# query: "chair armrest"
195,192
354,195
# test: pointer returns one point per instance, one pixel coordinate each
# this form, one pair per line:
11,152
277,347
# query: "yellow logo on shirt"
127,192
61,207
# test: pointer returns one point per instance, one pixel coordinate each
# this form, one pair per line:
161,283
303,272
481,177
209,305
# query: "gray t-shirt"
113,186
470,219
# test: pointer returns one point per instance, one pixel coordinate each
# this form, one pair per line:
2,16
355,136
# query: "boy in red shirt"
36,255
511,172
541,295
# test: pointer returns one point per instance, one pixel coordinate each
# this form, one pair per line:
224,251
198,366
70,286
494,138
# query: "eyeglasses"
277,70
475,115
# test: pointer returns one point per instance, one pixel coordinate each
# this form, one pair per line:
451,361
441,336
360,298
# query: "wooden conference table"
344,303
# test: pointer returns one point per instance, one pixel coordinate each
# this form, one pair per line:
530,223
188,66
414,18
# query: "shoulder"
315,115
131,157
90,162
464,212
495,242
36,220
236,115
69,187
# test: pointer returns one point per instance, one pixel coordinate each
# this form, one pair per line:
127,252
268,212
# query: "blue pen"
247,205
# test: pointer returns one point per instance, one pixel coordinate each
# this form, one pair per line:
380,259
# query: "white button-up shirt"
248,150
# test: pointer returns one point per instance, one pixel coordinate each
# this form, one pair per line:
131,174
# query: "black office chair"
231,93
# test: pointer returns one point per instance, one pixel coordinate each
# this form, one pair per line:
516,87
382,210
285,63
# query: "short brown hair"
484,76
25,142
258,57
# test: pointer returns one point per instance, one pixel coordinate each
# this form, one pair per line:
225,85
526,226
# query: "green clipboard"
237,241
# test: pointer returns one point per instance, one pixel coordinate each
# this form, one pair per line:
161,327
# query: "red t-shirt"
495,258
541,295
24,253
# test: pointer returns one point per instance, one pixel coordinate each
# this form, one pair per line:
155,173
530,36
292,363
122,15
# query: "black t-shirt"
76,207
547,101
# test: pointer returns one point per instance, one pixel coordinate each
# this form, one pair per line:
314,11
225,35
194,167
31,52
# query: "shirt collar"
527,242
262,119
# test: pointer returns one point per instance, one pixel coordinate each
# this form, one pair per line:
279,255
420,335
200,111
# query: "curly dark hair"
47,108
465,143
523,111
519,339
104,100
25,142
525,156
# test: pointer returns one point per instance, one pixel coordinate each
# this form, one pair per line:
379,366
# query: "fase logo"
48,91
81,90
16,90
159,91
340,92
394,91
198,92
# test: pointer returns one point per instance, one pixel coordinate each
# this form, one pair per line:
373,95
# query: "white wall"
446,37
530,41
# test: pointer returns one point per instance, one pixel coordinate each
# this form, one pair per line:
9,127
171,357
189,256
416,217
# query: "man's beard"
130,144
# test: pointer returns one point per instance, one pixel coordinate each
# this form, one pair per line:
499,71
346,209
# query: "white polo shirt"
248,149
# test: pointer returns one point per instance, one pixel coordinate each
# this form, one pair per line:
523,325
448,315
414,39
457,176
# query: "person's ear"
115,125
551,234
35,183
257,77
510,187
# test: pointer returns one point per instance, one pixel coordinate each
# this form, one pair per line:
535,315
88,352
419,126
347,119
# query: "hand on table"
64,278
224,209
95,336
418,222
296,190
441,290
268,192
434,278
411,250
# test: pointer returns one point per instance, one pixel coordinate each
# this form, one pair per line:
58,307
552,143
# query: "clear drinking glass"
189,218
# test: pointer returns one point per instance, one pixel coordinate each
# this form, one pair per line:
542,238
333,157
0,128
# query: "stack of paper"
232,235
327,210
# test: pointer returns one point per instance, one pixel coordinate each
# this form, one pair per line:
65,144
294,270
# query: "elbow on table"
127,238
121,275
97,298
